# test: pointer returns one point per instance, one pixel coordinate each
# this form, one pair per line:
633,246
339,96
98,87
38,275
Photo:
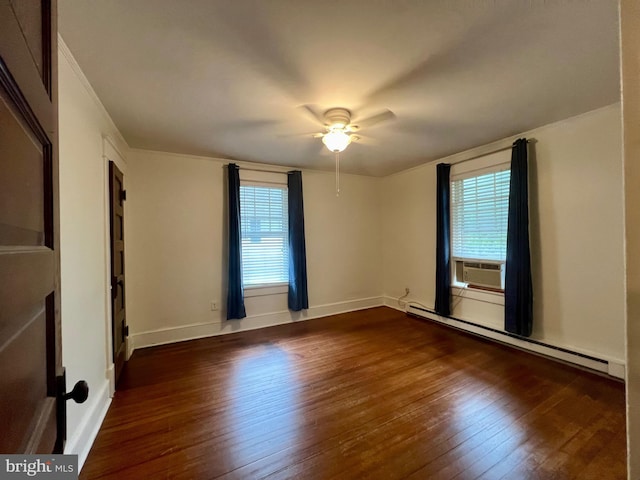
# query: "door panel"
22,271
22,219
118,314
18,64
29,16
30,346
23,371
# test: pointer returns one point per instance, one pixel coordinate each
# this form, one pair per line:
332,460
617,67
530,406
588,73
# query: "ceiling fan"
339,128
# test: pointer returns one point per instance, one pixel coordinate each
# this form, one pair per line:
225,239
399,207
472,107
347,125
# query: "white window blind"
479,210
265,237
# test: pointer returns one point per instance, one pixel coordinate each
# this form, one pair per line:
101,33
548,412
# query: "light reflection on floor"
262,393
504,431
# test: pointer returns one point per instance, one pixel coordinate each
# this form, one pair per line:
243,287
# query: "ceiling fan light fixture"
336,140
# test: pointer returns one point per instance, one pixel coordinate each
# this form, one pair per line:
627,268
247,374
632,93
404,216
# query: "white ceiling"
226,78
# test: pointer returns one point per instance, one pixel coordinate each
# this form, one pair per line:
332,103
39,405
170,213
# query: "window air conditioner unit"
489,275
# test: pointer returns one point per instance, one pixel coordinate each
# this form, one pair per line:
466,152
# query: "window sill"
458,291
264,290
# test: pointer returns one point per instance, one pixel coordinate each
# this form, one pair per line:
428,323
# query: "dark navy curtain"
518,289
298,297
235,294
443,239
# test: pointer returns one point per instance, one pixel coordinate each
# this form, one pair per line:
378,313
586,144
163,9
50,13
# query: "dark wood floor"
369,394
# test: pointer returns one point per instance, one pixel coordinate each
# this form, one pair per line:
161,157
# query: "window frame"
476,168
274,181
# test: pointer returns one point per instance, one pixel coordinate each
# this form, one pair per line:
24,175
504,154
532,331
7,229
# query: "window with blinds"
265,235
479,209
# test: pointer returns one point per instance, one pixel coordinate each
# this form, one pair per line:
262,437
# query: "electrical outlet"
407,291
214,305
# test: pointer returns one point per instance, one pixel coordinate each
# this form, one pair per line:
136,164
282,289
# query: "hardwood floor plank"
458,425
369,394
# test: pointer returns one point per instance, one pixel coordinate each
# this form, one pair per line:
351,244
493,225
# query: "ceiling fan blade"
245,125
364,140
384,116
313,114
432,127
256,40
306,134
454,57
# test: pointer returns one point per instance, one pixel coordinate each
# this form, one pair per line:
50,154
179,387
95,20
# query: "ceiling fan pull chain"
337,174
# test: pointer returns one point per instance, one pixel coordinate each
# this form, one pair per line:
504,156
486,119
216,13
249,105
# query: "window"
265,237
479,210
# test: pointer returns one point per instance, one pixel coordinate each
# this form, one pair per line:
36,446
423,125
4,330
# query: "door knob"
79,393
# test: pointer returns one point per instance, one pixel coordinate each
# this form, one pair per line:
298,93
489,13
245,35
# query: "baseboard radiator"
608,367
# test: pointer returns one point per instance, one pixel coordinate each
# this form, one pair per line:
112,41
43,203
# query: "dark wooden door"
118,314
30,345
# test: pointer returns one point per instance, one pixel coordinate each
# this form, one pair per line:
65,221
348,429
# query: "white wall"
84,250
576,236
630,43
176,248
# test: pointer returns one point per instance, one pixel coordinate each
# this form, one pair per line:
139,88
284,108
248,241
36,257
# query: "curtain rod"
261,170
529,140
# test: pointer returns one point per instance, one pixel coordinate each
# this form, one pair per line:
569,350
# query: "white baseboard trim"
617,369
163,336
81,441
591,360
393,303
111,378
130,347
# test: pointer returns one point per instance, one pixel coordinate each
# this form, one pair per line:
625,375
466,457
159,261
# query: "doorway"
119,328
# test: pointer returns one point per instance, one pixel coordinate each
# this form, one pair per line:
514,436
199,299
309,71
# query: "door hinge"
126,330
123,195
